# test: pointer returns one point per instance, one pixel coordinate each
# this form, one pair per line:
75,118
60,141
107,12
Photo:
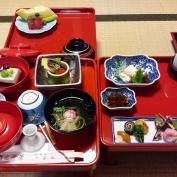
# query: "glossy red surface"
19,51
160,97
16,63
71,23
92,142
174,39
10,125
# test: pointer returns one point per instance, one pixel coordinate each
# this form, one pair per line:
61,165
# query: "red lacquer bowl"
16,63
11,121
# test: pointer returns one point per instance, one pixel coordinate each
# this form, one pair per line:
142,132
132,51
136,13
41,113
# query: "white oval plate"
23,26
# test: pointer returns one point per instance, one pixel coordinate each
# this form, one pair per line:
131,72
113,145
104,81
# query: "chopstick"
49,133
62,153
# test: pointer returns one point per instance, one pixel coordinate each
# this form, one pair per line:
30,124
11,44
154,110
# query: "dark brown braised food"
117,100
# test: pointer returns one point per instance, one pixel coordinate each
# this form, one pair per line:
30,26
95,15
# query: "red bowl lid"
20,50
16,63
11,120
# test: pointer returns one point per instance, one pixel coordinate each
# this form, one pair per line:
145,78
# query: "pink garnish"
170,135
69,114
168,118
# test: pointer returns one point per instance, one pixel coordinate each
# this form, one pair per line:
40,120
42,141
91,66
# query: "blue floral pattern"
125,91
115,65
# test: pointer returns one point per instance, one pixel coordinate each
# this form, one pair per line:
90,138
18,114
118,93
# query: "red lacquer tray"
71,23
174,39
158,98
88,76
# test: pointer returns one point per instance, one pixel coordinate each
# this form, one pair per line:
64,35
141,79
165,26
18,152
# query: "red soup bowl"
15,62
11,121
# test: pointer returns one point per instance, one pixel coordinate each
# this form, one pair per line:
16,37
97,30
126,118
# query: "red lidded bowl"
11,121
23,51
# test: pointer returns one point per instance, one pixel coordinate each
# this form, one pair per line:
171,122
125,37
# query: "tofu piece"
12,79
130,71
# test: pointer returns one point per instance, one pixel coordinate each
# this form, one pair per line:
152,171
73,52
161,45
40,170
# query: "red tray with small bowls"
71,23
74,22
88,76
151,100
174,39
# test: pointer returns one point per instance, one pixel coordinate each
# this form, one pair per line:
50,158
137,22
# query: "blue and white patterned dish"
125,91
23,26
149,65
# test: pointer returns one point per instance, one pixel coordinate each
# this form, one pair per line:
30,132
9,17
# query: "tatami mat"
8,7
152,38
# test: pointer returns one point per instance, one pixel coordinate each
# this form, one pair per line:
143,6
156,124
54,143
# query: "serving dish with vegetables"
53,71
158,129
135,70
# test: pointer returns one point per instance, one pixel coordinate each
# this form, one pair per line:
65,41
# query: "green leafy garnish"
139,133
138,76
4,74
118,78
119,64
174,123
158,119
57,60
80,123
59,109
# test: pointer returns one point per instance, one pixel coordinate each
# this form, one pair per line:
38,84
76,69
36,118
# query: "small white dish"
23,26
33,140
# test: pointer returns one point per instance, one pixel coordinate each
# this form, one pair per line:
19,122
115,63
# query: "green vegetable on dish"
174,123
118,78
7,73
119,64
57,60
59,109
138,76
139,133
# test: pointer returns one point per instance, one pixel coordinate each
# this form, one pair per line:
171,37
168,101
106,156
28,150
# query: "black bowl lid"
76,45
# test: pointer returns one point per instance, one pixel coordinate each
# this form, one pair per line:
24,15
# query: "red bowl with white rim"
11,121
15,62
